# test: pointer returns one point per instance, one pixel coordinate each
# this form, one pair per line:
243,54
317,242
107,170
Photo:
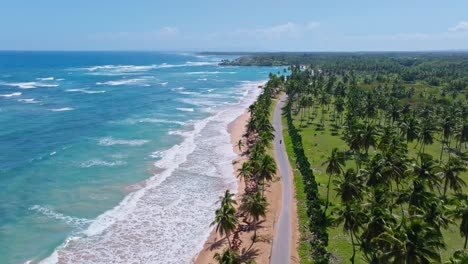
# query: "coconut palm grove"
378,144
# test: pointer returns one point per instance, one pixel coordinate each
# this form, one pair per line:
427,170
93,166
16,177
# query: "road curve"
281,252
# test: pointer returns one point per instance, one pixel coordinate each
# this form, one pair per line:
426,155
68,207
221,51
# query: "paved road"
281,252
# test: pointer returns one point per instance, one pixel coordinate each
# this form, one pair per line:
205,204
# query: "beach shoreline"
261,250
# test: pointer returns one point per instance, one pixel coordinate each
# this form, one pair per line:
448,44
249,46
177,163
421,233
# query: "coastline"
261,250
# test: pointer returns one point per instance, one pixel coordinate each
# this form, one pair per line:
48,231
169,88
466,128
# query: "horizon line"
233,51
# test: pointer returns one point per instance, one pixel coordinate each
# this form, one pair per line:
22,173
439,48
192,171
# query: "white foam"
52,214
209,72
85,91
45,79
157,154
202,79
10,95
154,120
122,82
28,101
126,69
164,83
29,85
167,223
185,109
200,63
109,141
62,109
98,162
182,90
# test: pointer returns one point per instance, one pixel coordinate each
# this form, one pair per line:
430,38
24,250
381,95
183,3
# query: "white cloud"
168,31
461,26
312,25
282,31
279,30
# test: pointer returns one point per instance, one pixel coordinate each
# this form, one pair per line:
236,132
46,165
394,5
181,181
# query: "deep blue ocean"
115,157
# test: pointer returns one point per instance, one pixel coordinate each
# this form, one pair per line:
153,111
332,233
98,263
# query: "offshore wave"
184,109
209,72
52,214
110,141
29,85
28,101
46,79
154,120
62,109
10,95
128,69
98,162
85,91
137,229
136,81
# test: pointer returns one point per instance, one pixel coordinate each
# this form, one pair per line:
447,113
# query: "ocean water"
115,157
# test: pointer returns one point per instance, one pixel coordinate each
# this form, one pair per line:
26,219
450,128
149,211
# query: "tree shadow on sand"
249,254
217,244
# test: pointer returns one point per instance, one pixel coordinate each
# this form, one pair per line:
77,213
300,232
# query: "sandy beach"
261,250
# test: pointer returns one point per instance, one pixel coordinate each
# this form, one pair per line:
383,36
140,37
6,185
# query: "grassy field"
318,144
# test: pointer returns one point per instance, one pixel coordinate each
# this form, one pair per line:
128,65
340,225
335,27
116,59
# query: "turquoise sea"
115,157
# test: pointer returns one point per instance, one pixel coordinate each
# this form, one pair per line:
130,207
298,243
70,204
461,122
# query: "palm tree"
425,135
459,257
266,170
450,174
240,144
245,171
410,128
225,221
460,212
266,138
227,199
368,137
335,163
353,218
412,242
427,170
350,187
228,257
256,206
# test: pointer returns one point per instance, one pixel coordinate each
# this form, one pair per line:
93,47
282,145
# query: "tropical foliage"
396,130
256,172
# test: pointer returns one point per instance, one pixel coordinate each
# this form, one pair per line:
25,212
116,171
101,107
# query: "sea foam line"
136,202
29,85
98,162
28,101
62,109
69,220
10,95
86,91
109,141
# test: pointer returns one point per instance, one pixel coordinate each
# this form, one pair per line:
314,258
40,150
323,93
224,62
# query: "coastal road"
281,252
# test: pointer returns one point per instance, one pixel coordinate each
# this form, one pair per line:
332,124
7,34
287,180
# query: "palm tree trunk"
441,151
466,240
354,247
445,186
255,232
328,194
229,241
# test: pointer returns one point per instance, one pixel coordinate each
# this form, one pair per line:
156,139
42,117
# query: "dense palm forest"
380,143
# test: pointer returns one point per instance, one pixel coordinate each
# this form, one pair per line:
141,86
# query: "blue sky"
253,25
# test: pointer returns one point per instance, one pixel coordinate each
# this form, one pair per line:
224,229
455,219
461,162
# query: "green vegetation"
304,247
256,173
386,137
